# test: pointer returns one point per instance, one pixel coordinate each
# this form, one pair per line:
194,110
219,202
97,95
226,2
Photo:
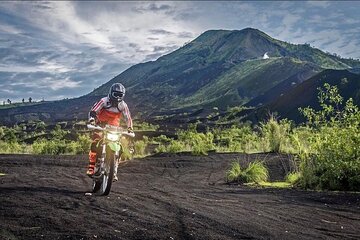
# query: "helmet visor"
117,95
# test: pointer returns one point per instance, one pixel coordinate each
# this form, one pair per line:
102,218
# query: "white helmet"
117,92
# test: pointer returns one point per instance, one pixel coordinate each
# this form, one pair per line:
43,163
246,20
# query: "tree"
9,101
30,99
23,100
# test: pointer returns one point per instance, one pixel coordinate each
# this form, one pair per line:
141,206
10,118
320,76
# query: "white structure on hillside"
266,56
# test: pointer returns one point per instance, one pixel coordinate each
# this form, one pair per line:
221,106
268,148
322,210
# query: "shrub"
202,143
300,141
161,139
83,144
175,146
236,139
126,154
330,102
160,149
140,147
197,143
52,147
275,132
126,145
12,147
256,172
188,140
234,173
334,161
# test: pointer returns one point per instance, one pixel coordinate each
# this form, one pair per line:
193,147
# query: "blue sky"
56,50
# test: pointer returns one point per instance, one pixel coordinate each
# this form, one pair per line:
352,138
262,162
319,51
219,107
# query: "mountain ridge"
219,67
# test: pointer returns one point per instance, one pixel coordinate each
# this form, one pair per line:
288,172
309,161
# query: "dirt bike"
108,158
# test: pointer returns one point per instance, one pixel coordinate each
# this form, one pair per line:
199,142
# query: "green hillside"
248,80
220,67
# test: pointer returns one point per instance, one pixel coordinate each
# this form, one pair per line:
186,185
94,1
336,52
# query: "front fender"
114,146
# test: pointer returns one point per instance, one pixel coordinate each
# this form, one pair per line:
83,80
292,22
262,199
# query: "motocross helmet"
116,93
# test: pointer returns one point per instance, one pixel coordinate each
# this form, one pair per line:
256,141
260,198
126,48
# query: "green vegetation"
253,77
189,140
140,147
144,126
57,144
275,133
326,147
234,173
293,178
238,139
13,147
334,160
256,172
38,138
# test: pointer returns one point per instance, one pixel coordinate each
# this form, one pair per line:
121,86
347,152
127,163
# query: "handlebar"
92,127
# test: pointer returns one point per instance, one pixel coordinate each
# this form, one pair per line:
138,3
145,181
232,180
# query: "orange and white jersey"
108,114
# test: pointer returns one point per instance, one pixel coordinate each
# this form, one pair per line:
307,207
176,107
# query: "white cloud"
48,83
9,29
56,84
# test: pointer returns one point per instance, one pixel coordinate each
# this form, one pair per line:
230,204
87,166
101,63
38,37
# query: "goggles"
117,94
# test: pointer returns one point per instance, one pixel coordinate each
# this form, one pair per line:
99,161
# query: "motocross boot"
92,161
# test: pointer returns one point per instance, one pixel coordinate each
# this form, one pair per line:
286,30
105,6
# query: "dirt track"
164,197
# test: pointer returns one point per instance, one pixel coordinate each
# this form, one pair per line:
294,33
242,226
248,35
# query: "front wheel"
102,185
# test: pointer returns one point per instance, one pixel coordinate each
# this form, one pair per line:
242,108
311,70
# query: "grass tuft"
293,178
234,173
256,172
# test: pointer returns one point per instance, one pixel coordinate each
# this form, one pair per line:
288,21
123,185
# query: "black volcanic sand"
166,196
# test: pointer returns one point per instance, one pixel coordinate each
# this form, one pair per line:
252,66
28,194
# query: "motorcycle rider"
109,110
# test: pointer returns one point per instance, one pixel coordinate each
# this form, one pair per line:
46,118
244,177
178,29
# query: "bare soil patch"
167,196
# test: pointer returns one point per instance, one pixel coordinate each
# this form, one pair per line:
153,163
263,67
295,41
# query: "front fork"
102,160
117,159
